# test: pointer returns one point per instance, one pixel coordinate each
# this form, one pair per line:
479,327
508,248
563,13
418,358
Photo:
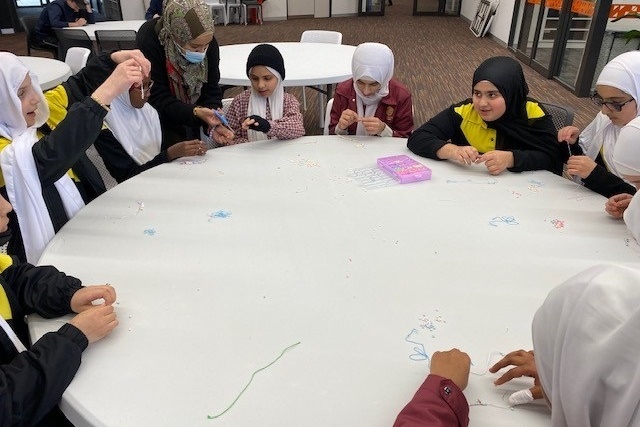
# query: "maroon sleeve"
340,103
402,125
437,403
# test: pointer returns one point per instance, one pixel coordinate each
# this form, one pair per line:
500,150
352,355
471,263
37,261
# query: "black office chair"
33,43
72,38
562,116
109,40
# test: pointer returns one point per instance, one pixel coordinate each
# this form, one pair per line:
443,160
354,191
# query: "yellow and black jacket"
32,382
460,124
74,122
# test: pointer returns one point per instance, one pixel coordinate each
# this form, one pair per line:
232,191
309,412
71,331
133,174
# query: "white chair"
242,10
76,58
327,117
226,103
218,5
318,36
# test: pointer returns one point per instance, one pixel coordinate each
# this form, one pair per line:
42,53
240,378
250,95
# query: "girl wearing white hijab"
617,93
265,111
372,102
132,142
36,160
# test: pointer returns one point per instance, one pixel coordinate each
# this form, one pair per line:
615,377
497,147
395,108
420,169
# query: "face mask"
192,57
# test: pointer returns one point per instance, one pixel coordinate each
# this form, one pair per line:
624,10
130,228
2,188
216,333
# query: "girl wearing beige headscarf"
185,69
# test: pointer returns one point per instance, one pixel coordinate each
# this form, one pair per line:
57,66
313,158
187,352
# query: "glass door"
536,30
574,44
437,7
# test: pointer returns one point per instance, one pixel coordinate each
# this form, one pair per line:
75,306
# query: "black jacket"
32,382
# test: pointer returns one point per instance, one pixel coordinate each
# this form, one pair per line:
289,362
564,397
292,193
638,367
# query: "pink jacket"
437,403
395,109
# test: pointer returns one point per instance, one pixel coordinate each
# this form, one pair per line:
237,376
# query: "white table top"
305,64
221,265
50,72
90,29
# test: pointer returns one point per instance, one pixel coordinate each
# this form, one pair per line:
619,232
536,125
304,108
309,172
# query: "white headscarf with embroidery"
371,61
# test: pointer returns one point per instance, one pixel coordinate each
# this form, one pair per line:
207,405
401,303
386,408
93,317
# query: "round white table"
90,29
50,72
306,64
219,266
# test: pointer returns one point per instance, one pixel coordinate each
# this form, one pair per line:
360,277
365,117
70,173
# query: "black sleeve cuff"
75,335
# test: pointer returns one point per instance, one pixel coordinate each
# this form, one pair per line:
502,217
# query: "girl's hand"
83,298
222,135
525,366
372,125
569,134
616,205
465,155
195,147
581,166
347,118
496,161
96,322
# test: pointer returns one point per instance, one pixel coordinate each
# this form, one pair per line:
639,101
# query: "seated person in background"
586,351
617,92
131,144
265,111
372,102
626,160
45,172
154,10
62,14
499,126
32,380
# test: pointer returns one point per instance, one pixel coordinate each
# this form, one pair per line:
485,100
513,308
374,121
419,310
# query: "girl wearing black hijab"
499,126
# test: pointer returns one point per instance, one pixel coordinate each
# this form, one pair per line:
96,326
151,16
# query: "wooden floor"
434,56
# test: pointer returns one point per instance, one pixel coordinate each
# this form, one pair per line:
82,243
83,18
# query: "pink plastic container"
404,168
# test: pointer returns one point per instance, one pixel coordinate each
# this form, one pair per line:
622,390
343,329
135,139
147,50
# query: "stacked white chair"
218,5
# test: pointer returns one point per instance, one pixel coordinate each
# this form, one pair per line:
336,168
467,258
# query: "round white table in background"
306,64
50,72
219,266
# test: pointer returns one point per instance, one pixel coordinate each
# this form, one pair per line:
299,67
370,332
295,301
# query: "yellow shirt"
5,308
475,129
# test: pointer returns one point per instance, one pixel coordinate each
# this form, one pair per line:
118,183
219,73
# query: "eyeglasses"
615,106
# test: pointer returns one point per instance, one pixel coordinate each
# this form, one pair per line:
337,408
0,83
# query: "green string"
211,417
